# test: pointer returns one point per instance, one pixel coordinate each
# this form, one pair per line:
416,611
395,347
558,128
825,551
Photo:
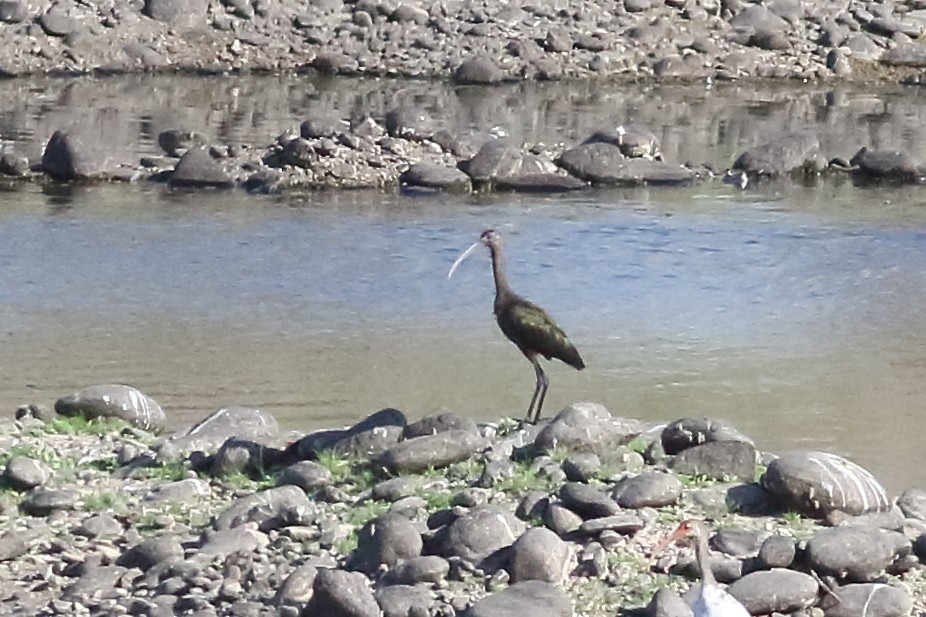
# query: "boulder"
719,460
309,446
855,553
689,432
891,165
385,541
337,593
780,156
425,569
647,490
477,70
23,473
114,401
78,154
775,591
868,600
587,501
817,483
539,554
479,533
208,435
198,169
272,508
586,427
431,176
405,600
534,598
604,164
439,423
430,451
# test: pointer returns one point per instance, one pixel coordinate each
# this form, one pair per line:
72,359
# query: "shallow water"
793,312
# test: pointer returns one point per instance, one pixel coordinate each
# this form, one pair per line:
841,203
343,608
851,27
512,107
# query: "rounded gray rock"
534,598
337,593
386,540
151,552
430,451
405,600
114,401
647,490
439,423
477,70
855,553
23,473
587,501
42,501
869,600
817,483
424,569
775,591
307,475
719,460
208,435
479,533
431,176
777,552
539,554
198,169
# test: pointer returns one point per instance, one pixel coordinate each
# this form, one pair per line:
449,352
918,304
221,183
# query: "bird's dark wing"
534,332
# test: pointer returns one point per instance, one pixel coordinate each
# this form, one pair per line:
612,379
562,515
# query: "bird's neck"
502,290
704,560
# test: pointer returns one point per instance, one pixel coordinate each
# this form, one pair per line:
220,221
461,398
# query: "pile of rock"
470,42
435,517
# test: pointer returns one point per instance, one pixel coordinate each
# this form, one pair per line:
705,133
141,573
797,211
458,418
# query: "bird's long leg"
539,391
543,383
537,372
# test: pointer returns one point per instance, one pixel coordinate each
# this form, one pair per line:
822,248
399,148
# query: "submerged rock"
780,156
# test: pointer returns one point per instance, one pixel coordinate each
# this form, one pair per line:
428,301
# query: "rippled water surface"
796,313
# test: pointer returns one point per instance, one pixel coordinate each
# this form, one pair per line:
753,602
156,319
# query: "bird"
524,323
712,600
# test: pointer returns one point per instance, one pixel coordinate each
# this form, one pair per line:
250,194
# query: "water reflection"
791,311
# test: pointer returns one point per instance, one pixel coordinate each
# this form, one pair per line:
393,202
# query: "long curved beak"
657,550
463,256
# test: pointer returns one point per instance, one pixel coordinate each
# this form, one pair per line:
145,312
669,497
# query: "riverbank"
480,42
438,516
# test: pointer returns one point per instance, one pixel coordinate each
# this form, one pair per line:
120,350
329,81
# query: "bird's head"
690,528
489,238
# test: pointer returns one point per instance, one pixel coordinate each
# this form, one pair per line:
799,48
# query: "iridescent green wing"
530,328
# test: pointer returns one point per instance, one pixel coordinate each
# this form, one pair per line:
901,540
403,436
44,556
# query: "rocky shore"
470,42
100,514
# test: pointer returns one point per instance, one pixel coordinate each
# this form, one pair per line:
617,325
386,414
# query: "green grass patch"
168,472
80,425
105,502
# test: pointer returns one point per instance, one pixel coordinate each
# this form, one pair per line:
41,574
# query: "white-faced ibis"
524,323
713,600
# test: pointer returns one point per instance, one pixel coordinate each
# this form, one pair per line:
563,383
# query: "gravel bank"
470,42
440,516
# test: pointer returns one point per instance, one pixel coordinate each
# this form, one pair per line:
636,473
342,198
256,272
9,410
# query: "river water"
792,311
